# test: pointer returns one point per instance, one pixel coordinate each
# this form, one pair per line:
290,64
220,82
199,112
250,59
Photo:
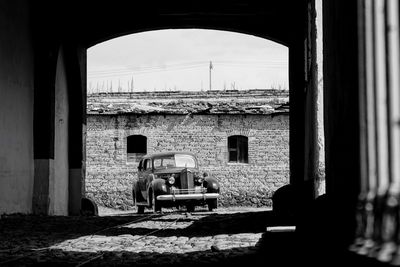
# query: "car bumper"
195,196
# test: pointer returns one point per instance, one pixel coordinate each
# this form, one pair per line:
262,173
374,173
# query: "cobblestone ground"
224,236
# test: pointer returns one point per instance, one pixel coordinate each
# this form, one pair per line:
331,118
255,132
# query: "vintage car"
173,179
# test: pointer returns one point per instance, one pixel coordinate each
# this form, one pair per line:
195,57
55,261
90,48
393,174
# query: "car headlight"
198,179
171,180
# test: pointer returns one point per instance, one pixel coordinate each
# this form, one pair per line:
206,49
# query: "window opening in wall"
136,147
238,149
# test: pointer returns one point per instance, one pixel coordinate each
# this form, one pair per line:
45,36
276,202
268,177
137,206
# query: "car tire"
212,204
140,209
189,207
156,203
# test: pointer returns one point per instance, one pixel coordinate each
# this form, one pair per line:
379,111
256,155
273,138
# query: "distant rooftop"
256,101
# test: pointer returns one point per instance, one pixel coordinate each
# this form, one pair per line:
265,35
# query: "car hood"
174,170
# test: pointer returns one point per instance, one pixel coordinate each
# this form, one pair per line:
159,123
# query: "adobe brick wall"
109,176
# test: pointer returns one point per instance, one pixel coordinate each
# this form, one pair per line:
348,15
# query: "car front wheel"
190,208
212,204
140,209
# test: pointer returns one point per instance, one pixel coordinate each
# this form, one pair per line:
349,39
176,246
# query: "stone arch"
259,19
241,131
263,20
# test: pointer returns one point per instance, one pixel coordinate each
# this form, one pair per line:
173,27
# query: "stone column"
77,127
44,88
314,167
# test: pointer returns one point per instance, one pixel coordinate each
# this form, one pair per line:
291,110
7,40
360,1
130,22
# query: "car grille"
198,189
186,181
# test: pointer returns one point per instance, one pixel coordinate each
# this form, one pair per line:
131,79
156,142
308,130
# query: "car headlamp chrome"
198,179
171,180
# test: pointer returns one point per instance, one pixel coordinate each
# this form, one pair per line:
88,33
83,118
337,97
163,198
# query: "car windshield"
178,160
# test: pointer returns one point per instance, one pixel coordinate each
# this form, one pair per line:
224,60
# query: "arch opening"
171,58
220,95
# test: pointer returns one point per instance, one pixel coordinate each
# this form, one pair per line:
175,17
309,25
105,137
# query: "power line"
144,68
129,73
184,64
147,70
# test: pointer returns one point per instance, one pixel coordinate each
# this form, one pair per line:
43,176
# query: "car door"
140,174
146,172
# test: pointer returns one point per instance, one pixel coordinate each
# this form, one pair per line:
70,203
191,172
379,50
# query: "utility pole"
211,67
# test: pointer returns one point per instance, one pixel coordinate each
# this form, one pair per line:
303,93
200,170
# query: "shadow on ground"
25,240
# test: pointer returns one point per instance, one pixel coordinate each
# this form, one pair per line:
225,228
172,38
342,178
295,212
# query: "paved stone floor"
224,236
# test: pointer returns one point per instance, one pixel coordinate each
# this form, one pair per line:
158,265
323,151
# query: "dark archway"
267,20
39,29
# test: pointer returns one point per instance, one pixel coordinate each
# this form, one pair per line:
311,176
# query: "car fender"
212,185
158,186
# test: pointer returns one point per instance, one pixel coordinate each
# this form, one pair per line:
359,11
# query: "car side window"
148,164
144,164
140,166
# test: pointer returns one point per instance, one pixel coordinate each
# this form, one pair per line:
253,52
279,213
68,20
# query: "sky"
166,60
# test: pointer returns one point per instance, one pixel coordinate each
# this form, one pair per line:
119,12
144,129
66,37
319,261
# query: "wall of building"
109,176
16,108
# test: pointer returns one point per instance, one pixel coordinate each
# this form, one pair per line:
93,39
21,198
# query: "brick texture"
109,175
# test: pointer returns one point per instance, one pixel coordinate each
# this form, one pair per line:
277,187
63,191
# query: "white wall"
16,108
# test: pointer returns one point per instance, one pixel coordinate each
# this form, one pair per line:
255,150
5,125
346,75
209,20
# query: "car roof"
168,153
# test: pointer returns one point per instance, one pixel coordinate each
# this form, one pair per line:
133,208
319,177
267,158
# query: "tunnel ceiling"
90,22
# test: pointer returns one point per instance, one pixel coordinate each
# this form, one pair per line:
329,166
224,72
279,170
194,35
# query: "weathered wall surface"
109,176
16,108
58,191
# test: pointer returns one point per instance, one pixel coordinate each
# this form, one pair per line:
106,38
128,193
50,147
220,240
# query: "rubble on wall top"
184,102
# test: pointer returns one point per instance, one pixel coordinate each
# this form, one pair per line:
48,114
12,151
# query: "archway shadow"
32,237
